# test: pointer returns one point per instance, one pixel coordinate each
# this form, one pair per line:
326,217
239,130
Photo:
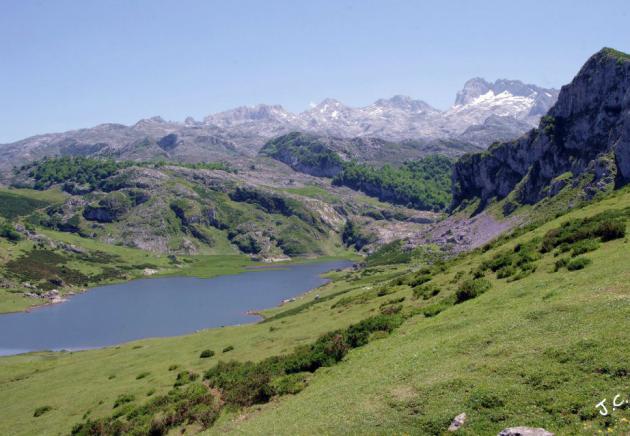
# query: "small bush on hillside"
609,230
193,405
41,410
560,263
7,231
506,272
471,288
205,354
142,375
123,399
228,349
173,367
578,263
391,309
584,247
291,383
607,226
185,377
419,279
425,292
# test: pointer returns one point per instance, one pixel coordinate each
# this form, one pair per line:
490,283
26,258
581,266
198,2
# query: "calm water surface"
146,308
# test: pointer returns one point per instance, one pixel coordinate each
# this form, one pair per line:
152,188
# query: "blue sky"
72,64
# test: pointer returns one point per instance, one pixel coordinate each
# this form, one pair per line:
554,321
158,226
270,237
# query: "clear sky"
71,64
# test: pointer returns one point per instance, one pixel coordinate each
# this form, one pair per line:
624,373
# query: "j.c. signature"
617,403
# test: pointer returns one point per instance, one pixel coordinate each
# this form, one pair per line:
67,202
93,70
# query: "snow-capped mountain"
480,99
483,112
518,105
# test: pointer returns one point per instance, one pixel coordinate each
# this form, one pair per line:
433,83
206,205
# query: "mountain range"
483,113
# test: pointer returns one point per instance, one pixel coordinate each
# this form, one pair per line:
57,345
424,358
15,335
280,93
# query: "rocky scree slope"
583,142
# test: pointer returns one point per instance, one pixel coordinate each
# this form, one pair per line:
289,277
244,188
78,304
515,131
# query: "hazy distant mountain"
483,113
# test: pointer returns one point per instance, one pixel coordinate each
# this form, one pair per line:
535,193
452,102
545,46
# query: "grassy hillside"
509,334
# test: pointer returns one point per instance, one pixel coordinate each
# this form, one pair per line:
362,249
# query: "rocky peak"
248,114
404,103
583,141
473,88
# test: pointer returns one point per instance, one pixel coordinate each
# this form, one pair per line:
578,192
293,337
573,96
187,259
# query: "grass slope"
540,351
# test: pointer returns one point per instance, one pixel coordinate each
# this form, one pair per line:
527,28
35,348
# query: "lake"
158,307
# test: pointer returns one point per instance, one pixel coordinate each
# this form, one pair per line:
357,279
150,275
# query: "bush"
584,247
425,292
142,375
419,279
607,226
471,288
391,309
578,263
609,230
506,272
7,231
205,354
123,399
290,384
242,384
41,410
228,349
185,377
560,263
192,405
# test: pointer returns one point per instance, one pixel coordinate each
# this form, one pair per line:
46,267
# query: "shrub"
123,399
185,377
173,367
425,292
142,375
560,263
290,384
193,405
471,288
419,279
578,263
7,231
609,230
241,384
506,272
228,349
584,247
205,354
41,410
358,334
391,309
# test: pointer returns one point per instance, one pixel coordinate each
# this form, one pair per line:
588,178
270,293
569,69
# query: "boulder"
458,422
524,431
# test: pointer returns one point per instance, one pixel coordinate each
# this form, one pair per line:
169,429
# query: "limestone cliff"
584,140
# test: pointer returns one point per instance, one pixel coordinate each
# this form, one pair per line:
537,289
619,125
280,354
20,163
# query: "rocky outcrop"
305,153
584,140
109,209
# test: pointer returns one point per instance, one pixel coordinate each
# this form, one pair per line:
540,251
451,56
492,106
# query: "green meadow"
501,333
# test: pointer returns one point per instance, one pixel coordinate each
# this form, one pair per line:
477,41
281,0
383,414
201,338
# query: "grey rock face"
586,132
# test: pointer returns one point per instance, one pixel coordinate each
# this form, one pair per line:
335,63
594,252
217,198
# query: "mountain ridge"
242,131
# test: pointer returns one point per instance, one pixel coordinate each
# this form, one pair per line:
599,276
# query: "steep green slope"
540,351
540,347
423,184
